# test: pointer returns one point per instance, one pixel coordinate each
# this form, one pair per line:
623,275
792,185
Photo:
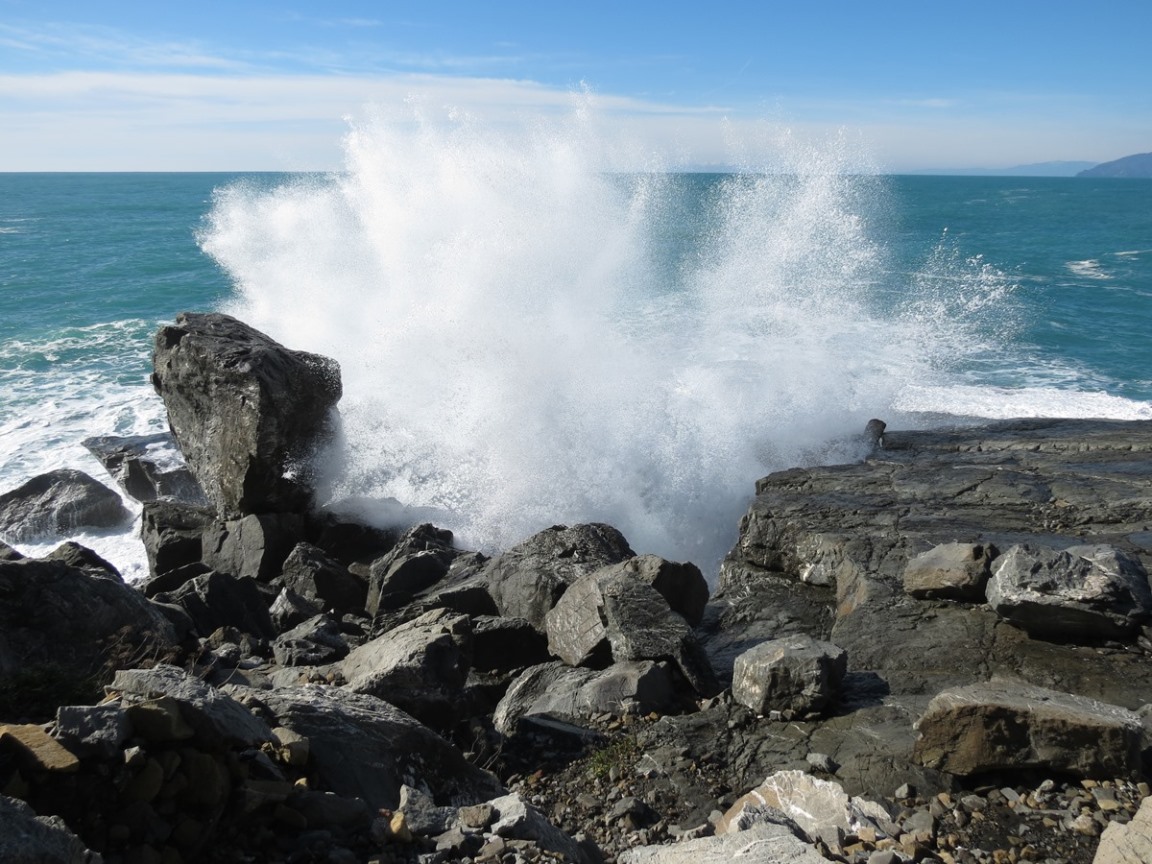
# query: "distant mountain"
1139,165
1036,169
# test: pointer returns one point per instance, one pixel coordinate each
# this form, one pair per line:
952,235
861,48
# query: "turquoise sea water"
519,353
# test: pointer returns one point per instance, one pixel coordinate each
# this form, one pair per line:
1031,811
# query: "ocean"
527,340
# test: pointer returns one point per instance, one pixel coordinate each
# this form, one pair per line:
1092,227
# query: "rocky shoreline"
939,653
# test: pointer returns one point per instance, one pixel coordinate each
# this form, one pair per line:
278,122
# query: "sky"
277,86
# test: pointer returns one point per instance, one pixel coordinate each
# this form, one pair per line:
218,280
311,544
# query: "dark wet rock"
1010,725
950,571
59,503
215,600
171,580
213,716
147,467
314,642
1082,593
248,413
421,666
172,534
528,579
420,559
323,580
82,558
63,625
796,675
258,545
577,694
7,553
500,644
363,747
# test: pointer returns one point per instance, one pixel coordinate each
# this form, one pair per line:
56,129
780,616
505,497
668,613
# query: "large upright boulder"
247,412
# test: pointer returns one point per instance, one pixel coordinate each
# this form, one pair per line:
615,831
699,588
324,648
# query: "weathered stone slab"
764,843
37,750
1012,725
1129,843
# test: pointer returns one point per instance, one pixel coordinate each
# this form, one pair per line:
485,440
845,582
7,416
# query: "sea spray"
519,349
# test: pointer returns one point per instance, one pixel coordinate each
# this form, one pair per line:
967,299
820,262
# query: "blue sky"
250,85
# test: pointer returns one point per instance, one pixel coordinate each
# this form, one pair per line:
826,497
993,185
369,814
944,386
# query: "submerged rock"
248,413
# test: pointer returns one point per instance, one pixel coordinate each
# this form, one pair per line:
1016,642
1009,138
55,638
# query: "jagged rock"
59,502
171,580
1129,843
248,413
797,675
528,579
258,545
93,730
812,804
1086,593
31,839
7,553
950,571
63,624
420,559
214,600
1005,725
172,533
314,642
83,558
421,813
316,577
351,542
577,694
363,747
147,467
763,843
682,585
212,715
290,609
517,819
420,666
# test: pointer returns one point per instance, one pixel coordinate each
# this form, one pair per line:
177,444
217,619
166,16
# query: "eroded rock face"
58,503
1005,725
248,413
1127,844
1087,593
950,571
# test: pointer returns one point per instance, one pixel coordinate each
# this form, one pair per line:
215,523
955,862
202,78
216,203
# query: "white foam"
1089,269
1005,403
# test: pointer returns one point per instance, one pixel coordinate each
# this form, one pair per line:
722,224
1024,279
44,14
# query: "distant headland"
1137,165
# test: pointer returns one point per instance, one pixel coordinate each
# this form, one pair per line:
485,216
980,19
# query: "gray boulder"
363,747
950,571
215,600
147,467
257,545
1086,593
1006,725
314,642
528,579
323,580
214,716
420,559
290,609
421,666
516,819
578,694
58,503
796,675
93,730
31,839
248,413
172,533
